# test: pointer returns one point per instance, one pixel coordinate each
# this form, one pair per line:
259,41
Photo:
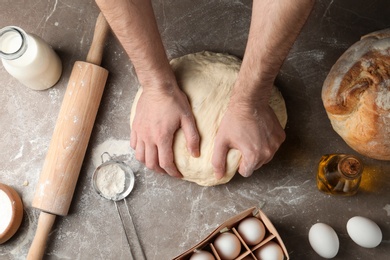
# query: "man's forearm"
274,27
134,24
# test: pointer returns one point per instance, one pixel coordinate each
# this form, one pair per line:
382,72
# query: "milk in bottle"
29,59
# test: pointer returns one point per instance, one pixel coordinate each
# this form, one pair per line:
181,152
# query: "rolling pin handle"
95,53
37,249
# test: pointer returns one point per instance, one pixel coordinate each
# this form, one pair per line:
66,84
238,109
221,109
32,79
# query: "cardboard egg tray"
231,225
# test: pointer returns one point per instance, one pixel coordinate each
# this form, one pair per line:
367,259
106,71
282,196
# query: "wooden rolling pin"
70,139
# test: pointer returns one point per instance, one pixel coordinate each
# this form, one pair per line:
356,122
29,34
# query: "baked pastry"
356,95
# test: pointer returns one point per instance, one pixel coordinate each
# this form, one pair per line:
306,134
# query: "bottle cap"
350,166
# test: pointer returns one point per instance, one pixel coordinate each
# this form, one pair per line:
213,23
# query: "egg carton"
231,225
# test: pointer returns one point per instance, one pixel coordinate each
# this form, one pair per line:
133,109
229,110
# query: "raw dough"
207,79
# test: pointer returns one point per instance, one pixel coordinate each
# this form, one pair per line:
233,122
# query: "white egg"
364,232
324,240
270,251
228,246
202,255
251,230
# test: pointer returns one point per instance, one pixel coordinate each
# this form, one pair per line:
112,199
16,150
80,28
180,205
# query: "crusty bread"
356,95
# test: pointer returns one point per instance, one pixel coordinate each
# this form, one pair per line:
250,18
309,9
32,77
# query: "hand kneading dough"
207,79
356,95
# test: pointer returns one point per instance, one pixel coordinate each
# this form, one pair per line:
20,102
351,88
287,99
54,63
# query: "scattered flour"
5,211
117,149
110,180
113,147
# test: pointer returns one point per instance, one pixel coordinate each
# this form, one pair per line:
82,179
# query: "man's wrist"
251,90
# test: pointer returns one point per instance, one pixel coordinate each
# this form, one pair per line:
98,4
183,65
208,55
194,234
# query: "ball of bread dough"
208,78
356,95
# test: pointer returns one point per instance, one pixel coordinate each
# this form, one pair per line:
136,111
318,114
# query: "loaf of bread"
356,95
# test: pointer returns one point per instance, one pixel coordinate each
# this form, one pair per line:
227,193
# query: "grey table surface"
173,215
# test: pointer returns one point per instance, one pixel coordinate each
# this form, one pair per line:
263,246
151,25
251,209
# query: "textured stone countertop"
173,215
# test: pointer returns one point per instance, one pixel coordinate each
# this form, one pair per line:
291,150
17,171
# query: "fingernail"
174,173
247,173
195,153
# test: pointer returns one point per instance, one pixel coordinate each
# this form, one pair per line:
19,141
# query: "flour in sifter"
111,180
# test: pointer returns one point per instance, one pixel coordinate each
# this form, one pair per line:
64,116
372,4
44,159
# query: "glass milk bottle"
29,59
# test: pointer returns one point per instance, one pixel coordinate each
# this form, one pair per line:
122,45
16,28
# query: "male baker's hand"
159,114
254,130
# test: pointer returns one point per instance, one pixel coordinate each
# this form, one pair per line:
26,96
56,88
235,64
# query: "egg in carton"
210,248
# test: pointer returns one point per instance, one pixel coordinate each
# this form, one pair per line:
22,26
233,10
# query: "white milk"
29,59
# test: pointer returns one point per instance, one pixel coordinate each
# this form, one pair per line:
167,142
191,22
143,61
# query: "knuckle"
259,156
253,157
283,136
163,138
267,153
